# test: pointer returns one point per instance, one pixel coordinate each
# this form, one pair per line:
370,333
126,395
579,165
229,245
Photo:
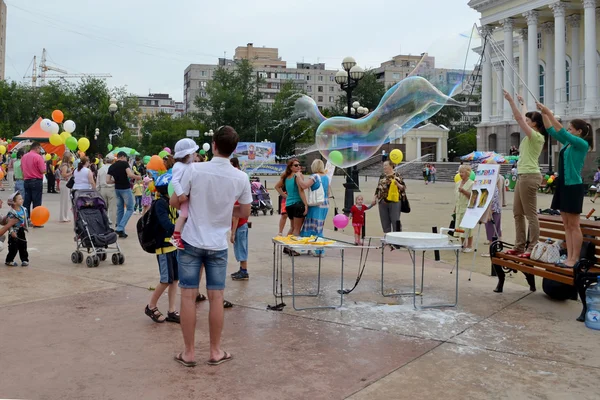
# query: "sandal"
513,252
180,360
226,357
525,255
227,304
200,298
154,314
173,317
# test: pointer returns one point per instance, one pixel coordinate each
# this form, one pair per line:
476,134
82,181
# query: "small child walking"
138,190
184,151
17,242
357,212
147,195
166,255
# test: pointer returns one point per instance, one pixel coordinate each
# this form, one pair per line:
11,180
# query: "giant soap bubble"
403,106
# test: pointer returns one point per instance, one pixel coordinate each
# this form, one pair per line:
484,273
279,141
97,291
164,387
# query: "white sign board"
354,146
191,133
482,192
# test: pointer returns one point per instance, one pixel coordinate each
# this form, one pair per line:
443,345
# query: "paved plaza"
72,332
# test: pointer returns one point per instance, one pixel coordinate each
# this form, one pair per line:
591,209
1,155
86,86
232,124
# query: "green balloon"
163,154
202,152
336,158
14,155
170,189
110,147
71,143
472,176
546,177
146,159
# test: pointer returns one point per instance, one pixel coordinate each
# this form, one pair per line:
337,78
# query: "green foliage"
233,99
368,93
160,131
462,142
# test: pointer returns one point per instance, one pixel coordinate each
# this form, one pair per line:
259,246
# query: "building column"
575,92
507,26
515,79
548,30
418,147
499,89
486,78
590,77
438,151
533,68
560,59
523,62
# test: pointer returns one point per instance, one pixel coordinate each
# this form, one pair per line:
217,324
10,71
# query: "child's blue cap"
163,180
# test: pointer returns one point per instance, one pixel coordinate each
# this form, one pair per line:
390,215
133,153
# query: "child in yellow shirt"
138,190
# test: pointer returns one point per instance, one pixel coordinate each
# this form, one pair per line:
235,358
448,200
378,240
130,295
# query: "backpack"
146,230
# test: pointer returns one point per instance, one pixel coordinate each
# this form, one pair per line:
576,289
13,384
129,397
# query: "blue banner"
263,169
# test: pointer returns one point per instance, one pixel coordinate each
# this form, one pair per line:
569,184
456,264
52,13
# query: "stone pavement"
71,332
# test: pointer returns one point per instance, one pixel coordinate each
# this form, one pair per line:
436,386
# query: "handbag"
404,204
316,197
393,194
546,252
71,182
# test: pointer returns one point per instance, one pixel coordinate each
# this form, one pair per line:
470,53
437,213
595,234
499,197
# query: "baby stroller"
261,200
92,231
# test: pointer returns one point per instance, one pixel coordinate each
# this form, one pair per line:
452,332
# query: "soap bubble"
403,106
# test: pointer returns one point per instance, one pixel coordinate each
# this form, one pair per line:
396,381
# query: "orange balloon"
1,174
156,164
39,216
58,116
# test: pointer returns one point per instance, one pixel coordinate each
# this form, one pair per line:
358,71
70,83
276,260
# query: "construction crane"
61,73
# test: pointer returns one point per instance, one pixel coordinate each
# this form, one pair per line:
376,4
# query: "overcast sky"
147,44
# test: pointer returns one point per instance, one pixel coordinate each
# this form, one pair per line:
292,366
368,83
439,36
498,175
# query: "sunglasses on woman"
295,165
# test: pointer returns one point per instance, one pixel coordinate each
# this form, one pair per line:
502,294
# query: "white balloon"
46,125
69,126
54,128
206,147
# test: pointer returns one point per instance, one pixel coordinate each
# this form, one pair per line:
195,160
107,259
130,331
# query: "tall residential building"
156,103
2,38
314,79
553,49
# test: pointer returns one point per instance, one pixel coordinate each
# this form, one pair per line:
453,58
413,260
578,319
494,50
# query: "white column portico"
523,62
438,150
532,64
499,90
418,147
560,61
507,25
486,78
591,84
575,91
548,31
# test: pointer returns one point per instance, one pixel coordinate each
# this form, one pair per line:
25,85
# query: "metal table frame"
412,250
278,248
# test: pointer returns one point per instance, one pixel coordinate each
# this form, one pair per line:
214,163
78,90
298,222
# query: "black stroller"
261,200
92,231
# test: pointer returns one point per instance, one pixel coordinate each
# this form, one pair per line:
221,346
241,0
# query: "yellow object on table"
312,240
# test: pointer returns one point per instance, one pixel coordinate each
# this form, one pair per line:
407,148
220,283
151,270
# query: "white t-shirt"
176,174
213,188
82,181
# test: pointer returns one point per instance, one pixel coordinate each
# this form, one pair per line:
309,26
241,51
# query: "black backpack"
146,230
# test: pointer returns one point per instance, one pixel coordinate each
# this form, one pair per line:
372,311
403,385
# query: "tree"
462,142
283,128
368,93
233,99
162,130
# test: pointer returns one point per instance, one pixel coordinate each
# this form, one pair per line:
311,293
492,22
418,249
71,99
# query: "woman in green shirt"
570,191
529,178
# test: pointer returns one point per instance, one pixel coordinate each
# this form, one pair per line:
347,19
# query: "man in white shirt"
107,190
213,188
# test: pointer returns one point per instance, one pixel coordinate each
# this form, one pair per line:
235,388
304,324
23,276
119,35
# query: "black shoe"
122,234
173,317
241,275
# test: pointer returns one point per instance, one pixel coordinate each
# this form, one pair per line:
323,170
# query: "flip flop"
226,357
180,360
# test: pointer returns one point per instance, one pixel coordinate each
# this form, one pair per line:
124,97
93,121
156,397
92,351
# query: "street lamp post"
348,80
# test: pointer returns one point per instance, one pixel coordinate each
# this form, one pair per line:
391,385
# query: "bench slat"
538,264
534,271
585,223
561,228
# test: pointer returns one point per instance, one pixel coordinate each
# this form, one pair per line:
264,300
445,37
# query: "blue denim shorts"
167,266
240,246
191,260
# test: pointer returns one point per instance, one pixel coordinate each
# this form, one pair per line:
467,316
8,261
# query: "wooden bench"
581,276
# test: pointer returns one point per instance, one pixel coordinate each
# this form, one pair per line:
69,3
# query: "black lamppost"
348,80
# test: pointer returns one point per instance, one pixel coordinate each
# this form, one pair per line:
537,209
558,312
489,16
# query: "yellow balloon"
84,144
457,178
56,139
396,156
2,149
47,157
65,136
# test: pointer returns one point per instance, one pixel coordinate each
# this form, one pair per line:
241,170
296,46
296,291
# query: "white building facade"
553,48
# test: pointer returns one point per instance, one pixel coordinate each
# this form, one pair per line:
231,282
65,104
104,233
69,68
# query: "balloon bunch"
205,148
457,177
549,179
65,137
